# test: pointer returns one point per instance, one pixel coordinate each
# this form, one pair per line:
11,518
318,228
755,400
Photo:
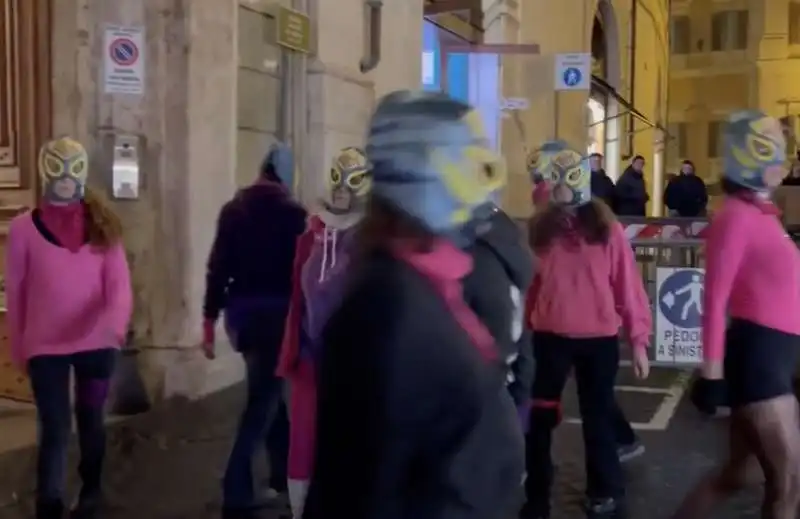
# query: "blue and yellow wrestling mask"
348,183
63,168
566,173
755,151
432,160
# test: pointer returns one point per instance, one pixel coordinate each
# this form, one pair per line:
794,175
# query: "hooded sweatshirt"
584,290
250,265
495,290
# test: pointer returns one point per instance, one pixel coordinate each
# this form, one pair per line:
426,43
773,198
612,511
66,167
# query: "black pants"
622,428
594,362
50,381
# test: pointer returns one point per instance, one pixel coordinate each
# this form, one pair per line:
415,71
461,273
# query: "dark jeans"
264,422
622,427
594,362
50,379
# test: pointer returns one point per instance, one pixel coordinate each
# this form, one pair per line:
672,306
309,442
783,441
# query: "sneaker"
605,508
631,451
46,509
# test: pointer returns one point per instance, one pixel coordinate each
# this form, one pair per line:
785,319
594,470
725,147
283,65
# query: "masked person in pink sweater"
751,325
69,301
586,286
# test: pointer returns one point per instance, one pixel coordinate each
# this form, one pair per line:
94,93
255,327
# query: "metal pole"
285,97
556,114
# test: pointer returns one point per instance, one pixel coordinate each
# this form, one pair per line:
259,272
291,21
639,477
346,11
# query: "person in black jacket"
602,186
249,278
686,194
413,408
631,190
502,270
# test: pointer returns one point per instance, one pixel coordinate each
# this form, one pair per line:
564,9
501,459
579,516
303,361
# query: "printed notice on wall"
123,60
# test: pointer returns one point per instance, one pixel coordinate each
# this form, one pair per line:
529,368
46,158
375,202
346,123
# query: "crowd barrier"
669,254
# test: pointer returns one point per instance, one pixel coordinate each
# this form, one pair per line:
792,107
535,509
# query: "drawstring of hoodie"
327,243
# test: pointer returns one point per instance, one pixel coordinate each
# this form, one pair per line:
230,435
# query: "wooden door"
24,124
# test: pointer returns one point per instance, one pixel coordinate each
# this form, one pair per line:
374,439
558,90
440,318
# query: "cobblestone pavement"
167,464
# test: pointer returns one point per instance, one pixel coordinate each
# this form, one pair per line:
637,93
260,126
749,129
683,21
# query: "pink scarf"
66,222
445,266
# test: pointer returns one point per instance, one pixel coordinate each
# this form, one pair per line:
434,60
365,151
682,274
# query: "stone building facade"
217,93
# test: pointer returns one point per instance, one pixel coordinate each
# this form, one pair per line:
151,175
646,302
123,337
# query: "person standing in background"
602,186
686,194
69,301
586,273
249,277
319,278
631,190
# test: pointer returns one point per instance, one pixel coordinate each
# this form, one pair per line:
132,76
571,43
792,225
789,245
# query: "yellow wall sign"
293,30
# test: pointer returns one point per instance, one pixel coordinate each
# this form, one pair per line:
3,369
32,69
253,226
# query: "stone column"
557,27
501,24
186,123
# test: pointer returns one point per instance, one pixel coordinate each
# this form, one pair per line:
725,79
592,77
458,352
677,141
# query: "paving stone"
168,465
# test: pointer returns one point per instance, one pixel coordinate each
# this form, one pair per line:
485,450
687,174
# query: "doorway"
24,125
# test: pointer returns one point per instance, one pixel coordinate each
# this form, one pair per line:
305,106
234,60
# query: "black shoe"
242,512
49,509
530,511
605,508
88,505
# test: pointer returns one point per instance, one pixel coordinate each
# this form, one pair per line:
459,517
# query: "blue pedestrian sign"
573,71
572,76
679,314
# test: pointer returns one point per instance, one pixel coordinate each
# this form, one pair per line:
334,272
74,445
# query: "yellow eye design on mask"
335,177
78,167
52,167
761,148
574,177
359,181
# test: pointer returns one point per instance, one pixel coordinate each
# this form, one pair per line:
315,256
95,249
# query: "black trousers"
50,380
594,362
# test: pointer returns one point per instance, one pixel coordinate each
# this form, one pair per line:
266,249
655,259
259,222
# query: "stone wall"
258,89
186,121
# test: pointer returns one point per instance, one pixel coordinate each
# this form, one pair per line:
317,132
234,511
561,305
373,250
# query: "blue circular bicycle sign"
680,298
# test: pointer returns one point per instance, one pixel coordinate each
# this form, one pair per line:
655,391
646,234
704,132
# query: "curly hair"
593,223
103,225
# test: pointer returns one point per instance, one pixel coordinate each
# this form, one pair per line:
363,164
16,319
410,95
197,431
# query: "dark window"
715,139
729,30
680,35
794,23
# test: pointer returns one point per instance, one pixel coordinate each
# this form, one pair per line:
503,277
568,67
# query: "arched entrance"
603,108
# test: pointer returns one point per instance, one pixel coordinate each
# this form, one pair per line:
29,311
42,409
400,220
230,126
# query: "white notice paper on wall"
123,60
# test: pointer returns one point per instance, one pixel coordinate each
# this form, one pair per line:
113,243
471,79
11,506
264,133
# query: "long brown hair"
383,223
592,222
103,225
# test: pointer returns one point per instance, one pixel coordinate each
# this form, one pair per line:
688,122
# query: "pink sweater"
61,302
752,273
584,290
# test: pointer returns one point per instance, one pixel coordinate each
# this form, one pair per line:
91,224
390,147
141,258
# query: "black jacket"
409,411
495,290
250,266
631,194
603,188
686,195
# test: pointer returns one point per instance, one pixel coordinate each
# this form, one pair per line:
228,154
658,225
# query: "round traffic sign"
572,76
124,52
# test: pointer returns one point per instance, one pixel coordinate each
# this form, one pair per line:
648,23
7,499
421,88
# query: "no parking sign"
123,71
